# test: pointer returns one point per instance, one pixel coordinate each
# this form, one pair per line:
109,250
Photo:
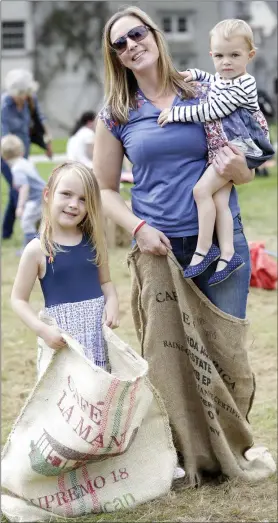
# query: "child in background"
231,114
70,261
27,181
80,145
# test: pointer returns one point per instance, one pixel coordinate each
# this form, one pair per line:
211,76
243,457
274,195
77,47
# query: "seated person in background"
27,181
81,143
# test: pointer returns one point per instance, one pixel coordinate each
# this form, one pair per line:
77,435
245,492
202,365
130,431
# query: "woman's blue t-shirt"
167,163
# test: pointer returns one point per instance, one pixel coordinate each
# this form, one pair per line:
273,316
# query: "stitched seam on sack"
131,405
133,263
95,500
118,413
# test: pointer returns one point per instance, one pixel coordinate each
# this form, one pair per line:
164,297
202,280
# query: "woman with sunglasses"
140,81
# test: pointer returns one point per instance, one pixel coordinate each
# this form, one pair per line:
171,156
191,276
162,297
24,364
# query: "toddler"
231,115
27,181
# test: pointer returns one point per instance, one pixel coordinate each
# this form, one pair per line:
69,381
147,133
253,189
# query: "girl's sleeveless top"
73,297
72,276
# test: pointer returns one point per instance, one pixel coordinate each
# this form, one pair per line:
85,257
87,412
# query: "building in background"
17,36
70,83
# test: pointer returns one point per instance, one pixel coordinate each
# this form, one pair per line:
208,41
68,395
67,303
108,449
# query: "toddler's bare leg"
203,193
224,224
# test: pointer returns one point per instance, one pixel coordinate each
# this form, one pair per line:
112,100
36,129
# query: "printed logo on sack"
50,458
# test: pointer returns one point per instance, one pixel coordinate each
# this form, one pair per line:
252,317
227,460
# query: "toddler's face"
230,57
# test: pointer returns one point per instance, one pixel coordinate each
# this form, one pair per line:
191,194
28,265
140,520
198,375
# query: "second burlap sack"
199,363
87,440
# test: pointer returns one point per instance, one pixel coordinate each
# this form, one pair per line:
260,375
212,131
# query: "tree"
68,35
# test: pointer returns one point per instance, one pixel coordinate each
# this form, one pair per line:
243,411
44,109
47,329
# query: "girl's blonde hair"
120,84
234,27
92,226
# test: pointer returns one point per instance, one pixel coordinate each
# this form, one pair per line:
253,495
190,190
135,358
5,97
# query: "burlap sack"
198,362
87,440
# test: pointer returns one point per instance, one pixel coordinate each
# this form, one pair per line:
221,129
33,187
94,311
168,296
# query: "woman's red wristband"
138,227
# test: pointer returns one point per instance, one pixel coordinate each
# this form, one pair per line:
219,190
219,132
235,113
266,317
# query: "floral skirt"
83,321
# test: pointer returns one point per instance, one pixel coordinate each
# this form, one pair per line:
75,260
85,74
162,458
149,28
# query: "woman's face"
138,56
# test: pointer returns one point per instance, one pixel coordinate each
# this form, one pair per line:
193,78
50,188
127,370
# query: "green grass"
232,501
273,132
58,145
258,203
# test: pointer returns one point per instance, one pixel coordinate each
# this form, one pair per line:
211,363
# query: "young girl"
70,260
233,99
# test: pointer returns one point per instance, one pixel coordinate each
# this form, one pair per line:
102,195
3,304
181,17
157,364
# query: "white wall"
13,58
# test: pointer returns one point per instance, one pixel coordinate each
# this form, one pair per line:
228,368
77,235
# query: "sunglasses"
136,35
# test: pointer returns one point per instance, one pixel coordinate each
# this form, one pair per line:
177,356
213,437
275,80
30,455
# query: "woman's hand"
49,150
230,163
52,337
152,241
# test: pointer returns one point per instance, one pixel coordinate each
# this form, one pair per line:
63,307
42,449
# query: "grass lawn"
232,501
58,145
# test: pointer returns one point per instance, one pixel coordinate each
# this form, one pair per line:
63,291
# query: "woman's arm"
26,276
6,120
230,163
107,165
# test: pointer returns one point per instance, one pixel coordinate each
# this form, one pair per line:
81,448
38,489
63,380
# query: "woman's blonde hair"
120,84
92,226
234,27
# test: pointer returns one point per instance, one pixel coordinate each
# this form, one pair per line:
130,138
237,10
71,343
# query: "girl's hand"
163,117
111,313
52,337
230,163
152,241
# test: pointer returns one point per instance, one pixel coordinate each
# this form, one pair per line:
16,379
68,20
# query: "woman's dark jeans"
230,296
9,216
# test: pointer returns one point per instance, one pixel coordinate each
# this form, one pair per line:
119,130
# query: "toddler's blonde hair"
234,27
92,226
12,147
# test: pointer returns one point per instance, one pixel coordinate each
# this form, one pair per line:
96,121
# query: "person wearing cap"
17,103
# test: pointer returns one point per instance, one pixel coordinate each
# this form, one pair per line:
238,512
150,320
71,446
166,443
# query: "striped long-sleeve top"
224,97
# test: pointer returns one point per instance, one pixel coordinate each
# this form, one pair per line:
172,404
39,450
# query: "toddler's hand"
111,314
187,76
163,117
52,337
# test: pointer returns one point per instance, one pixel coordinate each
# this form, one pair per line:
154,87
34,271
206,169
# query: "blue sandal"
194,270
235,263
